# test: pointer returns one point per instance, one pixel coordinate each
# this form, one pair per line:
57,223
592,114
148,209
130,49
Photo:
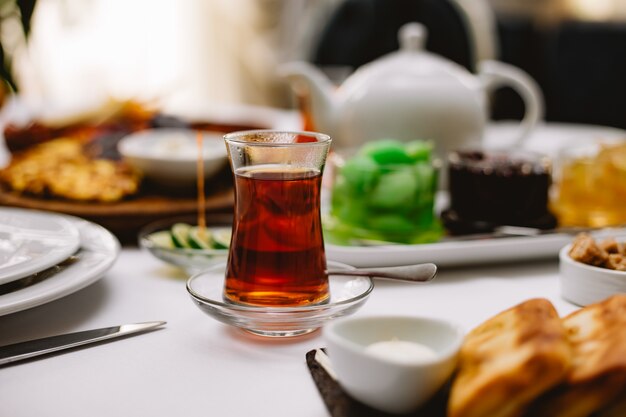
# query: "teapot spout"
305,79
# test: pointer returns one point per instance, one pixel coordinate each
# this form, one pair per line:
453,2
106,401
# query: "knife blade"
36,347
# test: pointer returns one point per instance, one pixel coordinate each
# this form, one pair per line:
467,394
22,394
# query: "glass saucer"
347,294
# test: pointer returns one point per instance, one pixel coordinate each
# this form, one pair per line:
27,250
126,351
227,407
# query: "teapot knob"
412,36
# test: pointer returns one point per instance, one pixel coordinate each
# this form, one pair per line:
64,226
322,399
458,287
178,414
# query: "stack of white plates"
46,256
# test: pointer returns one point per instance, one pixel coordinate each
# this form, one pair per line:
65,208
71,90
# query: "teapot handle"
497,74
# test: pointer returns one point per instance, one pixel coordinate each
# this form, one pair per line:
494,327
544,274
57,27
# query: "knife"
31,348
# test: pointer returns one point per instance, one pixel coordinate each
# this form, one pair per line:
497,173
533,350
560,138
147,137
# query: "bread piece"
509,360
612,246
616,261
585,249
597,335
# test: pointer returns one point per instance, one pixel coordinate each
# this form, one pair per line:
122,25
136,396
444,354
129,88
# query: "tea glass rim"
322,139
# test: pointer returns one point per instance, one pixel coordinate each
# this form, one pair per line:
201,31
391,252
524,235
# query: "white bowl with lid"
169,156
393,363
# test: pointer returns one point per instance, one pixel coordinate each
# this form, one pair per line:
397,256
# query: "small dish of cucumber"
185,245
186,236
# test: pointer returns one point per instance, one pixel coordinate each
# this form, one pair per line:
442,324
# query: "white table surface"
197,366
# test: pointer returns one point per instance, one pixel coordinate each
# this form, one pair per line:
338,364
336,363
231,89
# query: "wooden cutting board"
125,218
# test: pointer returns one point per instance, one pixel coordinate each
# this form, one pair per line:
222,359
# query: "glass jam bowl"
590,185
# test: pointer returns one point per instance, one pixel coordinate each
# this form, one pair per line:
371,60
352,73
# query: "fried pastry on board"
597,377
509,360
61,168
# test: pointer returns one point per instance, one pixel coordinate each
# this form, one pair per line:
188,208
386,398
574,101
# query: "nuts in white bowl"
169,156
585,277
393,363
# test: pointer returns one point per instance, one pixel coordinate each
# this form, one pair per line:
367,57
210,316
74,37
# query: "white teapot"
412,94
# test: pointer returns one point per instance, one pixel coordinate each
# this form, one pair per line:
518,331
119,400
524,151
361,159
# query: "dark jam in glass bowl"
494,188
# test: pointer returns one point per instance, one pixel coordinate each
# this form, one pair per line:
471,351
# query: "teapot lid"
411,57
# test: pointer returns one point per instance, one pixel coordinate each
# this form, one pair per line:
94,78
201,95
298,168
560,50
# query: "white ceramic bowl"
584,284
384,383
169,156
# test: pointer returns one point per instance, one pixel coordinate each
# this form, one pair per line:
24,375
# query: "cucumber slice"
221,238
162,239
180,235
199,239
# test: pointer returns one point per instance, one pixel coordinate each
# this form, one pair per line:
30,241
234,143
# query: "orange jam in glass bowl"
590,186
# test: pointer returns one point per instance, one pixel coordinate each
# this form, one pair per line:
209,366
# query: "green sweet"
394,189
386,192
419,150
428,180
351,210
359,173
387,152
391,224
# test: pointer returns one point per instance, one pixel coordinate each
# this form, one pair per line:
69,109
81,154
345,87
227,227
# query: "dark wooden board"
340,404
125,218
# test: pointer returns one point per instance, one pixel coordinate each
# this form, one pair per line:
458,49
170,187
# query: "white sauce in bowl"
401,351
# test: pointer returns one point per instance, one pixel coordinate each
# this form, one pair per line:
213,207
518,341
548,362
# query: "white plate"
452,253
99,250
549,138
33,240
458,253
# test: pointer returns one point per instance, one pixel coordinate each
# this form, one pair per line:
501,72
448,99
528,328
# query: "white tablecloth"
197,366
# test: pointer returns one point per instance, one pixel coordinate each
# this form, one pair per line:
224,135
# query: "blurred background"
181,54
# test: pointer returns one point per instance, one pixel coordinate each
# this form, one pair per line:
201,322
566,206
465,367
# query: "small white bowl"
385,383
169,156
584,284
